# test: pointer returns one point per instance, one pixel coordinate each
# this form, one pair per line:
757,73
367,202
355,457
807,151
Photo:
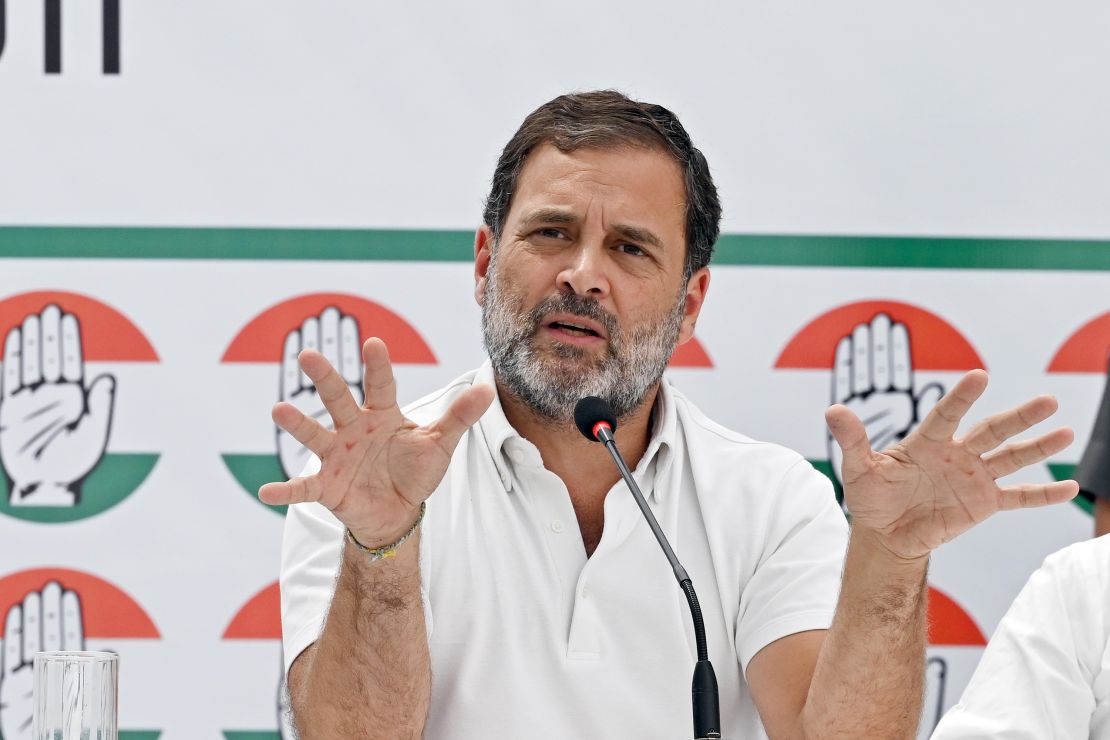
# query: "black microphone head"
589,411
1093,471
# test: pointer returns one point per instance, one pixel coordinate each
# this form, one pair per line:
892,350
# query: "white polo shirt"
530,638
1046,671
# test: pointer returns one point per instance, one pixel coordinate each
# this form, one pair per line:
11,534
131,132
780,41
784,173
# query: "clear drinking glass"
75,696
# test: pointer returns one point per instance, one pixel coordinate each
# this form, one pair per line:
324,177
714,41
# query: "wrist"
875,549
389,545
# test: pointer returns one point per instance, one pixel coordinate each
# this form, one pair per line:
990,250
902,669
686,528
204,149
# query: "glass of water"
75,696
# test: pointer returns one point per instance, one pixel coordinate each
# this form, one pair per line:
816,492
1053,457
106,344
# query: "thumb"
928,398
851,436
99,399
464,412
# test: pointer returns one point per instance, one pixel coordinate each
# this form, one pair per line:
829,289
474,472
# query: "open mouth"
576,330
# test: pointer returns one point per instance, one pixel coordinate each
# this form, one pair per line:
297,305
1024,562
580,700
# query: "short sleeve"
1034,679
796,582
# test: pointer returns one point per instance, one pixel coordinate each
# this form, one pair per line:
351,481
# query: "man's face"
584,294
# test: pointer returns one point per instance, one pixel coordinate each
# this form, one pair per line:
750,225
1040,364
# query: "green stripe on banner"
139,734
252,735
457,246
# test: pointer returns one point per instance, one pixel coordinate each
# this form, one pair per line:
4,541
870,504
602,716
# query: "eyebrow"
559,216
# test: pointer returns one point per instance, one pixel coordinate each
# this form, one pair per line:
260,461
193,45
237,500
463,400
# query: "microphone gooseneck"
597,422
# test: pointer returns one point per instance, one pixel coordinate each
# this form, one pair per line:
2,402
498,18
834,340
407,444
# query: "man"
530,599
1046,671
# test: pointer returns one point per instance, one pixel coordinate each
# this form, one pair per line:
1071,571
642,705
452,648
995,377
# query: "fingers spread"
306,430
462,414
1022,454
994,430
292,491
377,381
1037,494
332,389
945,418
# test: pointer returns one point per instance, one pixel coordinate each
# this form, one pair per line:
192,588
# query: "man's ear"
696,290
483,253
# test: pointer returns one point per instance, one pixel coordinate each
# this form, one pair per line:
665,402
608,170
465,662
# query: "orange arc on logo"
1085,351
934,343
949,624
259,619
106,334
263,339
690,354
106,610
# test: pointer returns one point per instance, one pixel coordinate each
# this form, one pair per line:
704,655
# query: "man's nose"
585,272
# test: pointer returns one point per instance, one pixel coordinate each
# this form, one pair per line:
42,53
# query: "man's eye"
633,250
549,233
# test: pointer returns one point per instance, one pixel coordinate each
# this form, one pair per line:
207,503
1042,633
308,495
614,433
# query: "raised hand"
873,376
336,337
377,467
50,620
53,427
930,487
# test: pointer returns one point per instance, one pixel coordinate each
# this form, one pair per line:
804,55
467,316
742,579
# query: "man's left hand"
931,487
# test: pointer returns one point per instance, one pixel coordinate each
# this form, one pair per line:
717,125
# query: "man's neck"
580,463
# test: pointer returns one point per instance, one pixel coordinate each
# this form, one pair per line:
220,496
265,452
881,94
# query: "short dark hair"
602,119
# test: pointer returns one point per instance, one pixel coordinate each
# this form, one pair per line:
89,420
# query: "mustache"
573,304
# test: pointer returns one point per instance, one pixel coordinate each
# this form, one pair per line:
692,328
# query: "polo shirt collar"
500,436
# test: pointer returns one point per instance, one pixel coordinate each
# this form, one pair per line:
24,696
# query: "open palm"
377,467
931,487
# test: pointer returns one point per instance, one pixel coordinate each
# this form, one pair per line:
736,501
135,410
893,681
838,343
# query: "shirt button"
557,526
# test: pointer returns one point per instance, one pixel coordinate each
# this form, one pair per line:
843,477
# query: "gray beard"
552,382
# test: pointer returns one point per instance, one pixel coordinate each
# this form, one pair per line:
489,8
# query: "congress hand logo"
873,376
46,620
54,424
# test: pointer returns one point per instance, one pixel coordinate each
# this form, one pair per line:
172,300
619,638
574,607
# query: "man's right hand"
377,467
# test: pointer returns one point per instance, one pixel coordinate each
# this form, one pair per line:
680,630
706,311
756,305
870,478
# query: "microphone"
597,422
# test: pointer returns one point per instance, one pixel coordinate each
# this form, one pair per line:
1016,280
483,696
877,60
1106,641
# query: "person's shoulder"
1089,557
432,406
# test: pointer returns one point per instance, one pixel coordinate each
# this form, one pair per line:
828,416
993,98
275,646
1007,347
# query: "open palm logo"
58,609
874,351
54,424
56,416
